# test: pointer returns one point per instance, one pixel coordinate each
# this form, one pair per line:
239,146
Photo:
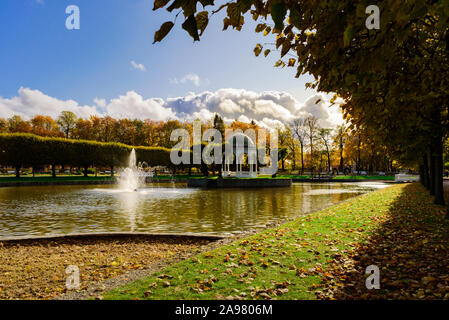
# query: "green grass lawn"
365,177
341,177
180,176
288,176
286,262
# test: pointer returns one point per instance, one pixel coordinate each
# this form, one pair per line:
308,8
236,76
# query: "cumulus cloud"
132,105
190,77
138,66
32,102
100,102
269,109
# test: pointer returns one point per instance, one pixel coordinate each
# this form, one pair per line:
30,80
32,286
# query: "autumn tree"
107,129
67,122
17,124
312,127
219,124
3,125
292,145
283,137
45,126
326,138
299,132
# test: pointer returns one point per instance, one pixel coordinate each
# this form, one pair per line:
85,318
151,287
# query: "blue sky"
112,54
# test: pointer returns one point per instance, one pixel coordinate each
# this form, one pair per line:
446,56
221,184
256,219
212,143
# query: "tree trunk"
112,171
358,155
204,170
426,177
432,171
85,170
311,152
341,160
302,158
421,174
17,171
190,171
53,171
293,159
220,172
439,189
328,162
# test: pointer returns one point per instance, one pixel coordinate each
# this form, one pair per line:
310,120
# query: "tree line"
303,144
28,150
308,146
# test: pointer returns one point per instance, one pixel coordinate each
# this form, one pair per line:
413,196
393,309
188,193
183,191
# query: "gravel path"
36,269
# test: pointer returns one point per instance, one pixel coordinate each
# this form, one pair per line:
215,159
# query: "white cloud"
138,66
320,106
244,119
269,109
100,102
32,102
190,77
132,105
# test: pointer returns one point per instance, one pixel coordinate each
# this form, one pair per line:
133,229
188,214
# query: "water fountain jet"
132,177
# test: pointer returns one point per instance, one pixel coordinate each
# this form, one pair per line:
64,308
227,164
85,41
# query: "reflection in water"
162,207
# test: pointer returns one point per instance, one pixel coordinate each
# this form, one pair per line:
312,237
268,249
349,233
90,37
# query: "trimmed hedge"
28,150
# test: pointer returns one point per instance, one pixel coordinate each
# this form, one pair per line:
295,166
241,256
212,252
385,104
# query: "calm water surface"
46,210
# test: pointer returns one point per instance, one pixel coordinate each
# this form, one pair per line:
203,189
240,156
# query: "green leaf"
190,26
278,12
163,31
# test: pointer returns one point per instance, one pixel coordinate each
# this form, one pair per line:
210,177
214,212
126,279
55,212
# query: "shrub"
21,150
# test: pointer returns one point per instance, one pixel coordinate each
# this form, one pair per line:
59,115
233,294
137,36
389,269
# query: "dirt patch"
35,269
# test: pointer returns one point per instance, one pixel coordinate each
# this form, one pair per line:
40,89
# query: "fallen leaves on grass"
410,247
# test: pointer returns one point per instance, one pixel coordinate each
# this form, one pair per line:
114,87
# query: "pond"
163,208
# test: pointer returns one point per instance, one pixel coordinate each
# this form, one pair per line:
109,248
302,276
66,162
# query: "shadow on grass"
411,249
